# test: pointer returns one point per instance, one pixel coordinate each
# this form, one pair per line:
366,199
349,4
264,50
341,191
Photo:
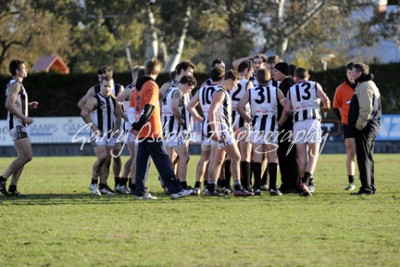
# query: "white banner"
50,130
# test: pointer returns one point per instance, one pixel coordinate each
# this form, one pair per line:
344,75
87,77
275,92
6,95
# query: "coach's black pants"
154,148
287,157
365,142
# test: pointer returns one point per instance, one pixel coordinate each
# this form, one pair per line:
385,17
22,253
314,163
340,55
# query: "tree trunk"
175,56
151,37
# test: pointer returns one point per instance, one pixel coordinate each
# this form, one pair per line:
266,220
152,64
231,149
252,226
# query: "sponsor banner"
64,130
50,130
390,128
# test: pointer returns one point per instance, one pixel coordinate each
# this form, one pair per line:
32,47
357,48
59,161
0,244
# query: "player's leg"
350,144
183,155
24,151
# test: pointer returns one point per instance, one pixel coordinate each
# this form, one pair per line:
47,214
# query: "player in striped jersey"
184,68
258,61
130,113
115,91
203,98
223,137
245,69
18,126
264,100
304,98
178,124
103,114
215,63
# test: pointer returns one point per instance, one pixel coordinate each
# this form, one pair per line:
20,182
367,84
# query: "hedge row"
58,94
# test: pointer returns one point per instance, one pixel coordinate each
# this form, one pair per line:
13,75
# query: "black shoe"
213,194
3,189
362,192
15,194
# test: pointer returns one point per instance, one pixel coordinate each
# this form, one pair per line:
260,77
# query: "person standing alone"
18,126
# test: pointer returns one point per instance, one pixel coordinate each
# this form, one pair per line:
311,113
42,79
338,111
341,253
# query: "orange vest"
149,94
342,100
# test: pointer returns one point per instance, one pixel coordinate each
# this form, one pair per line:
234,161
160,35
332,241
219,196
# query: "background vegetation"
90,33
58,94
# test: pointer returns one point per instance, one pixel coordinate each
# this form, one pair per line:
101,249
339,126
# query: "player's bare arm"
176,101
118,115
326,103
11,103
86,97
217,100
125,94
90,105
240,107
191,107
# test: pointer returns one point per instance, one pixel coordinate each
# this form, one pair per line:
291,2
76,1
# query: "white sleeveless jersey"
103,115
22,106
264,108
127,109
305,101
223,116
169,122
205,96
237,94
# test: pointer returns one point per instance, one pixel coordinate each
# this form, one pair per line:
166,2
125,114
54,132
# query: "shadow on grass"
88,199
65,199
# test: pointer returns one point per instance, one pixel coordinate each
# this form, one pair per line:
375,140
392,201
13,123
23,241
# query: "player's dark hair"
245,64
105,70
217,73
15,65
263,76
190,80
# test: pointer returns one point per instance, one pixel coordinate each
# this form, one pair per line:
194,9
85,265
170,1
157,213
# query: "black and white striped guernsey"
205,96
21,104
103,115
169,122
223,122
264,108
237,94
305,101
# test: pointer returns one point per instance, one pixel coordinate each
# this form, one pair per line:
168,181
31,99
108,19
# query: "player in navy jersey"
203,98
223,139
115,91
103,114
304,99
17,105
264,100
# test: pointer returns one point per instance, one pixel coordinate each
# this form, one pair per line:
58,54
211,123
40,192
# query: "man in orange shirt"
341,105
148,130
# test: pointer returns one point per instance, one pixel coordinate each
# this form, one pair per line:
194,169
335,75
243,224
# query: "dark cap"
283,67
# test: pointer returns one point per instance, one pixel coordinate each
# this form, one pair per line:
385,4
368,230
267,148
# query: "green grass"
59,224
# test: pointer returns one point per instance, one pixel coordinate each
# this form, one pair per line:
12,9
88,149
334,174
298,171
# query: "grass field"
59,224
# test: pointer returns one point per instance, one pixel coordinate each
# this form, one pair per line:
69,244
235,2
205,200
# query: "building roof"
50,63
